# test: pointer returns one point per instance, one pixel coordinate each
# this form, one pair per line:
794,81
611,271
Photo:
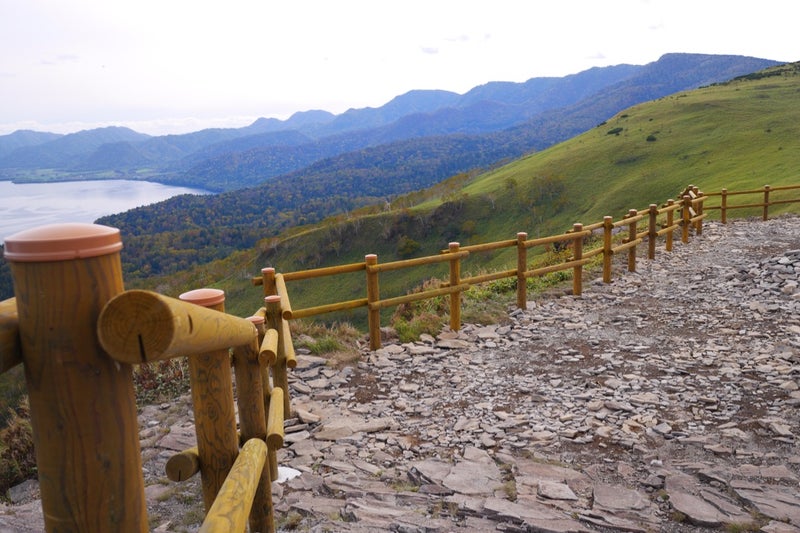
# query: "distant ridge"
270,147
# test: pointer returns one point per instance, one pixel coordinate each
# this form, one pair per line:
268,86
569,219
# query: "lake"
29,205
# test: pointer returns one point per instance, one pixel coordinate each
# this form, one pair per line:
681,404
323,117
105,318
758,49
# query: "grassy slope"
738,135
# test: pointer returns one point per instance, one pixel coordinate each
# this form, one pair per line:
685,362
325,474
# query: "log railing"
79,334
724,195
661,221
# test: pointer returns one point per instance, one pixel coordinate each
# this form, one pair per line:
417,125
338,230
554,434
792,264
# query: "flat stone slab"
473,478
773,502
556,491
616,498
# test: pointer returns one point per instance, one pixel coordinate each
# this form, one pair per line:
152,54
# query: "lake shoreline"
30,204
22,177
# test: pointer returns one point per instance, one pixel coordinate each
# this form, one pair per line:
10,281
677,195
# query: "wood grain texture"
10,348
232,506
83,411
142,326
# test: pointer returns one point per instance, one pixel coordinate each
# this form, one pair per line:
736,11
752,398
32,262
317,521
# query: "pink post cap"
204,297
62,242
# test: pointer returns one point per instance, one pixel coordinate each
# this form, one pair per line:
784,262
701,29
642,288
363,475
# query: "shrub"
338,342
161,381
17,456
615,131
406,246
411,329
323,345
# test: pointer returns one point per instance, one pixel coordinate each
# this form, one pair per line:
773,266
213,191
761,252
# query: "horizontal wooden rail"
593,227
592,253
668,208
269,347
484,278
326,271
668,229
556,238
10,350
231,508
627,221
626,245
275,419
286,306
329,308
555,268
486,247
183,465
288,346
748,206
777,202
443,291
725,192
140,326
408,263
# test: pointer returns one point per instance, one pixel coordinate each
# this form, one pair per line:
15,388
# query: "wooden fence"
685,215
661,221
764,192
79,334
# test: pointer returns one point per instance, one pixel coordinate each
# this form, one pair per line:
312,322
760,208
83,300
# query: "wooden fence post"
608,226
652,231
280,376
82,403
686,220
253,423
273,305
577,255
632,232
212,399
373,297
765,216
455,280
698,226
723,207
522,266
268,281
670,222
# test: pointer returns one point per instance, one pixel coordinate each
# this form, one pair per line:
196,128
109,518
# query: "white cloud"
144,60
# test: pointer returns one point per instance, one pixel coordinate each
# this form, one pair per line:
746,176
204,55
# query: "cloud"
463,38
431,50
60,60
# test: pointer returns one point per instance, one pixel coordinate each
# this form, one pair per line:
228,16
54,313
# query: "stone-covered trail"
664,401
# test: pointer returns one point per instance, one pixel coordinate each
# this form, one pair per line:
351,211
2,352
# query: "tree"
406,246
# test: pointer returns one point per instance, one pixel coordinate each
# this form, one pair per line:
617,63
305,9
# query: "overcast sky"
172,66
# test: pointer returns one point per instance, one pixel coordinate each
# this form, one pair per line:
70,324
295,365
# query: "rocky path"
665,401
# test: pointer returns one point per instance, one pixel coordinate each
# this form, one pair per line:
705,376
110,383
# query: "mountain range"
234,158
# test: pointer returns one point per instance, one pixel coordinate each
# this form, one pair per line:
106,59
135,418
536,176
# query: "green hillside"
741,134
